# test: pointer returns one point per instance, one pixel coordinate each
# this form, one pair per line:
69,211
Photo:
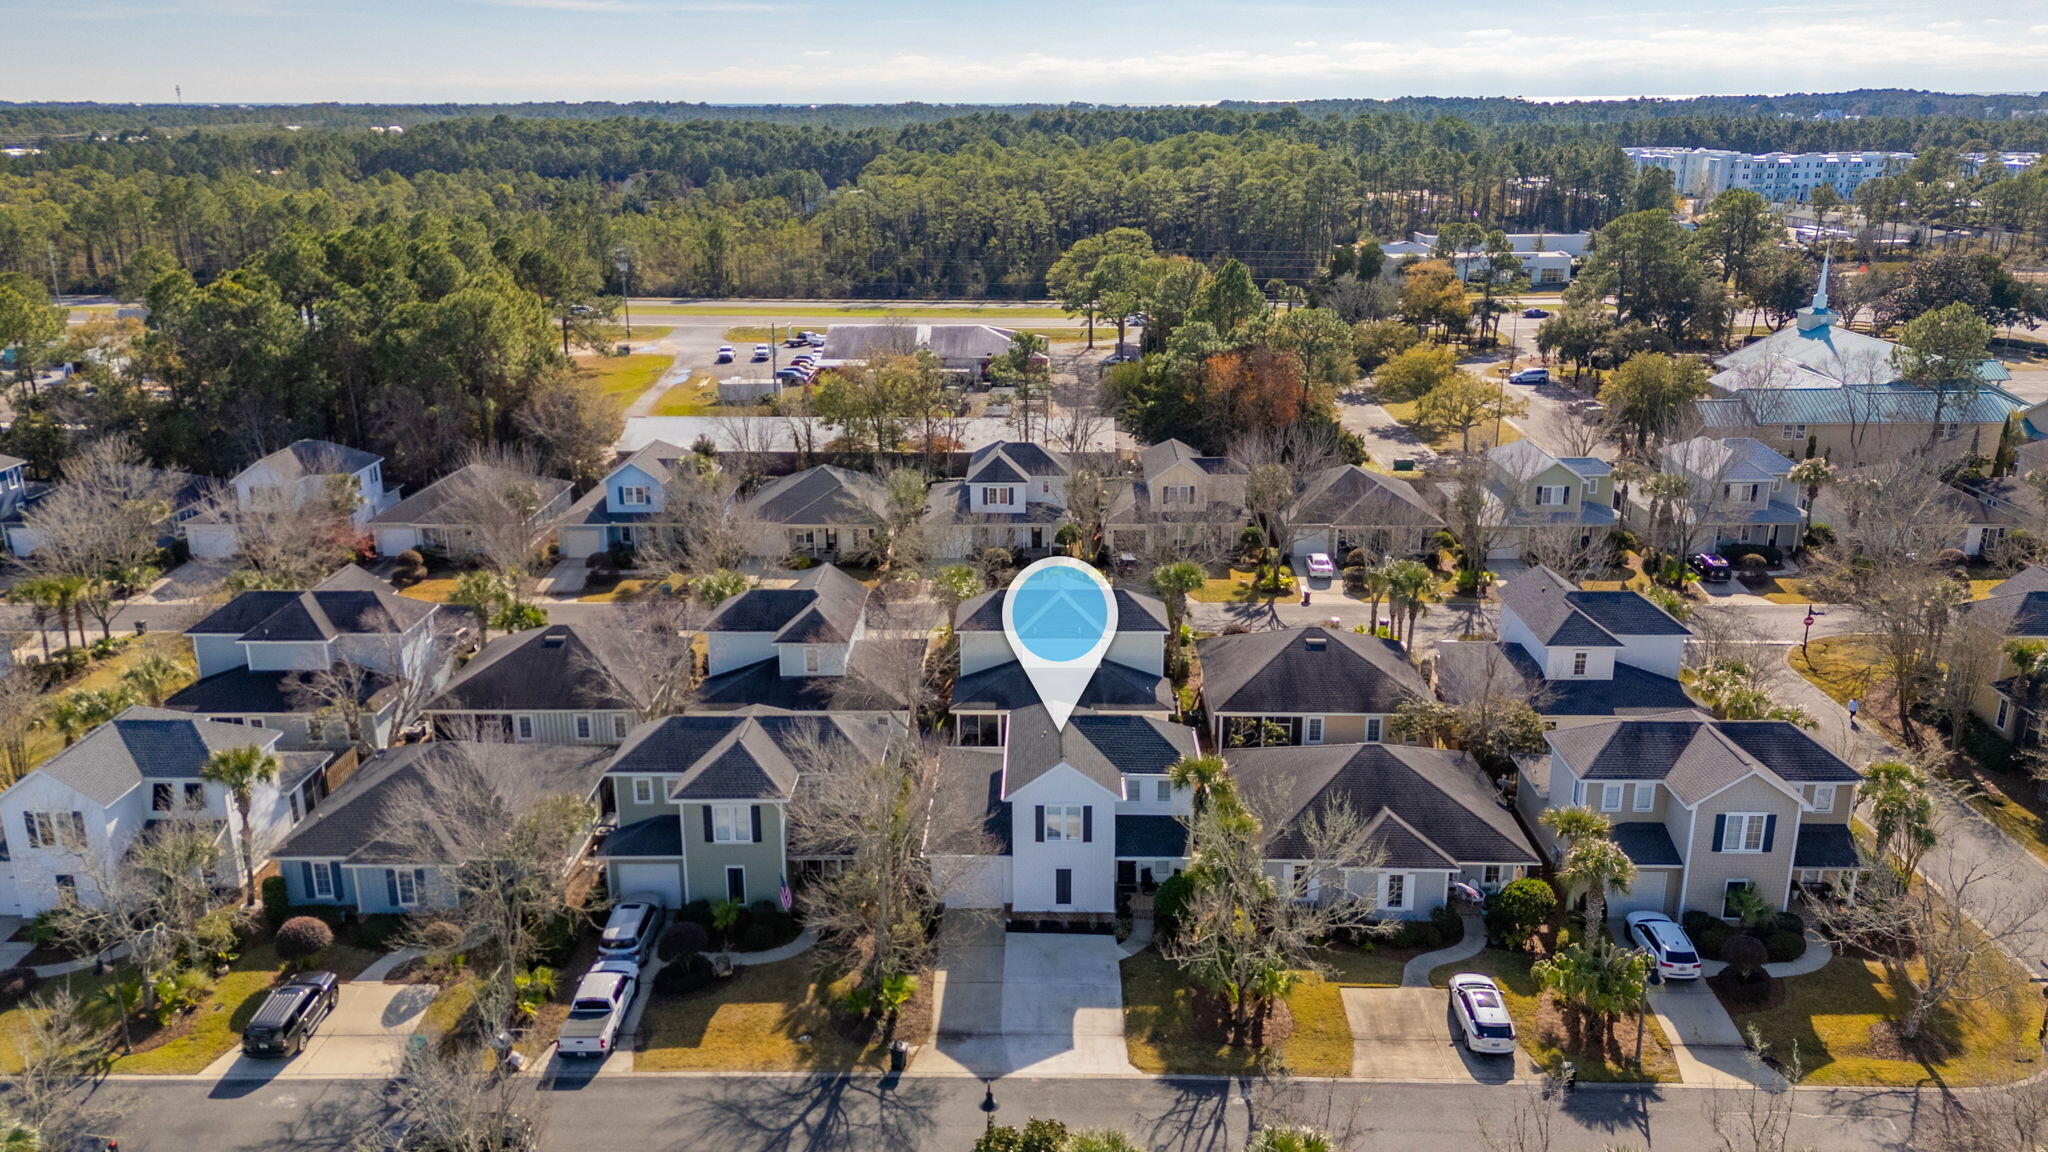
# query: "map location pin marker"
1059,616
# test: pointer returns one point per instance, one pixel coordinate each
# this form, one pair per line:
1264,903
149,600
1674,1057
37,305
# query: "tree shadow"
812,1113
1196,1120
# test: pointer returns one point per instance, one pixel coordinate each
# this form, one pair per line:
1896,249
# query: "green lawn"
1160,1034
1443,441
46,742
764,334
698,396
434,588
1236,588
1844,667
751,1022
624,378
1835,1017
1537,1024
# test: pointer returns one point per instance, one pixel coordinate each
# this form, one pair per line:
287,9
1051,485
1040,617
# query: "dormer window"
1003,496
633,494
1550,495
1177,494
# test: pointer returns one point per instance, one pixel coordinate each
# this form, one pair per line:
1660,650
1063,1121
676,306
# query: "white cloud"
1489,33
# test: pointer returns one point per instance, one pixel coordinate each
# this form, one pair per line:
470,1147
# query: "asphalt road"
783,1114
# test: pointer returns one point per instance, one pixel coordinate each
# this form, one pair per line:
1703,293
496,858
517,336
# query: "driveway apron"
1042,1003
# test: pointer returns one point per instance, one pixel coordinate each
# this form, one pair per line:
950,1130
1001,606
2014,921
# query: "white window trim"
408,887
634,494
1646,797
1312,730
1372,730
523,729
643,790
323,880
1063,819
732,824
584,728
1387,894
619,725
1610,797
729,870
814,660
2004,713
1162,791
1581,661
1823,792
1735,832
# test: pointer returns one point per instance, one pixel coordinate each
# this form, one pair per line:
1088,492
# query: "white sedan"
1319,565
1483,1014
1667,943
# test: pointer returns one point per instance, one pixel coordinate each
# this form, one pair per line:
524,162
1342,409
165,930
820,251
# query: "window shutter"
707,823
1038,816
1770,831
391,885
419,885
1088,824
306,877
1720,828
755,809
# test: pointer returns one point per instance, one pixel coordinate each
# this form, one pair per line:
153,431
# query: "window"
67,887
1177,494
1063,885
195,797
1397,892
732,824
2004,708
1731,886
255,721
55,829
1312,730
1610,797
736,883
814,661
1162,791
298,813
1744,832
1578,663
1823,797
323,880
582,726
1372,729
1003,496
643,790
1490,875
1743,492
160,795
523,727
1794,432
1646,797
632,494
1552,494
981,731
618,726
1064,822
1951,429
405,883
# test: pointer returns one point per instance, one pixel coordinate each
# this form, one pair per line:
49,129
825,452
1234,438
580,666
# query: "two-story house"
1529,490
824,512
440,516
255,653
992,684
2016,610
1310,685
13,484
376,846
1576,656
1348,507
74,814
1013,497
629,504
1179,498
1702,806
805,647
703,801
1740,494
288,479
556,684
183,495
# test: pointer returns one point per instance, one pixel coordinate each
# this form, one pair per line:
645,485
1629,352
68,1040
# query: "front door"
736,883
1038,537
832,540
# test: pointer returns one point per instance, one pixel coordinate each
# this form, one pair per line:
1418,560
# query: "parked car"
1710,566
1531,376
761,352
1319,564
1534,313
817,339
599,1008
287,1017
1587,407
792,375
1482,1013
797,340
1664,940
635,924
725,354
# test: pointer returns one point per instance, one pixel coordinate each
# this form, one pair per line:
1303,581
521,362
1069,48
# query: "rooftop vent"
1316,643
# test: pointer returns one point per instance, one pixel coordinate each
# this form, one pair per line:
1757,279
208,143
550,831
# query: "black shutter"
1088,824
1770,831
306,876
391,885
707,823
755,809
1720,826
1038,816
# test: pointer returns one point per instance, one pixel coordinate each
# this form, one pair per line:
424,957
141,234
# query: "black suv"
286,1018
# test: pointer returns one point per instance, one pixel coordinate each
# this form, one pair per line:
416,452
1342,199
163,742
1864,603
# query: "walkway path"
795,947
1818,953
387,964
1415,973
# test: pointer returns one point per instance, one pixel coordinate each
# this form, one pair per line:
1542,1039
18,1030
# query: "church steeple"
1820,294
1818,315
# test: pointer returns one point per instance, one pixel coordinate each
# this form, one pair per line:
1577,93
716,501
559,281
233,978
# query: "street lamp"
988,1103
622,259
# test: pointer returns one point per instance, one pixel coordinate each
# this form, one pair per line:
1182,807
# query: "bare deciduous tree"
649,648
498,498
1080,418
60,1053
101,525
147,898
1279,466
20,702
1570,550
338,694
290,538
1758,1117
706,525
452,1100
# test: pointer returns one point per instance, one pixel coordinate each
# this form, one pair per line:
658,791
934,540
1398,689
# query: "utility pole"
622,259
50,253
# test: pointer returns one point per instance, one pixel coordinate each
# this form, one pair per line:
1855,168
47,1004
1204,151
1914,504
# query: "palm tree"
1173,582
239,770
1378,583
64,716
1597,864
1105,1141
1411,587
1812,474
1576,822
1901,810
1290,1139
153,679
482,593
1203,776
1596,981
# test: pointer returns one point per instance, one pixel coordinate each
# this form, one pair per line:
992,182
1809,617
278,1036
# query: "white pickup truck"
599,1010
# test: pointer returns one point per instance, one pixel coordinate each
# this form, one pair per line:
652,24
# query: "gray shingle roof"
1029,458
1102,748
823,606
439,500
1348,495
145,744
1311,669
969,813
1559,614
2017,614
753,752
824,495
1462,672
326,615
1135,612
556,666
245,691
1648,843
1825,846
1150,837
7,462
316,458
2032,578
242,613
654,836
1444,801
950,502
1696,756
377,816
1114,687
874,669
1731,458
995,470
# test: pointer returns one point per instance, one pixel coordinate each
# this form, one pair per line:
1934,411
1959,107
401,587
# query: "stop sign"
1809,621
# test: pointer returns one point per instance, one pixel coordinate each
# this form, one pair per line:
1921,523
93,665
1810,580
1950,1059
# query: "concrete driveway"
365,1037
1707,1044
1026,1002
1410,1034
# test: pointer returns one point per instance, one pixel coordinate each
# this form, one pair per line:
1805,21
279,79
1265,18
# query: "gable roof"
2032,578
1165,454
1739,459
1522,461
1558,613
1348,494
1027,457
302,458
555,666
1135,612
325,615
822,495
377,817
1427,808
441,498
7,462
1312,669
1114,687
874,668
1899,403
145,744
1463,668
1102,748
823,606
1697,756
2021,613
750,754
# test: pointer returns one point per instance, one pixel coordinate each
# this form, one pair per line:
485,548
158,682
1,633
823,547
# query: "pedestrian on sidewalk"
1854,708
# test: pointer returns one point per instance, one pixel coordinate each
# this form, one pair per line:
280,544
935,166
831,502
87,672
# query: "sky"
1052,51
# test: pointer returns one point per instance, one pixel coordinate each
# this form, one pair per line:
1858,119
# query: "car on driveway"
1319,565
633,927
1531,376
598,1010
725,354
1710,566
1483,1014
1533,313
1667,943
285,1021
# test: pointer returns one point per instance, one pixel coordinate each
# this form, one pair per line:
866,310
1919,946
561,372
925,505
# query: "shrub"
1783,946
1622,540
1789,921
1820,536
682,977
378,930
1449,924
440,935
277,902
681,940
624,556
1518,910
695,912
412,568
1746,955
1712,939
1169,902
1418,934
1696,923
1251,539
18,984
758,937
302,936
1738,553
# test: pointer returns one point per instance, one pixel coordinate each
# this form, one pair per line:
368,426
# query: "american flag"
782,895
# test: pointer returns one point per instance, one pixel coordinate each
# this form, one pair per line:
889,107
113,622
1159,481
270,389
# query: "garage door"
1312,542
664,880
1646,894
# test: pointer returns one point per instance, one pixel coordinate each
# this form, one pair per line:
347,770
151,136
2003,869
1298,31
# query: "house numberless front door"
736,883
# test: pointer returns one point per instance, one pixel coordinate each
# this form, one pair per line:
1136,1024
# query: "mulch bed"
1732,993
1212,1021
1621,1034
1887,1044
